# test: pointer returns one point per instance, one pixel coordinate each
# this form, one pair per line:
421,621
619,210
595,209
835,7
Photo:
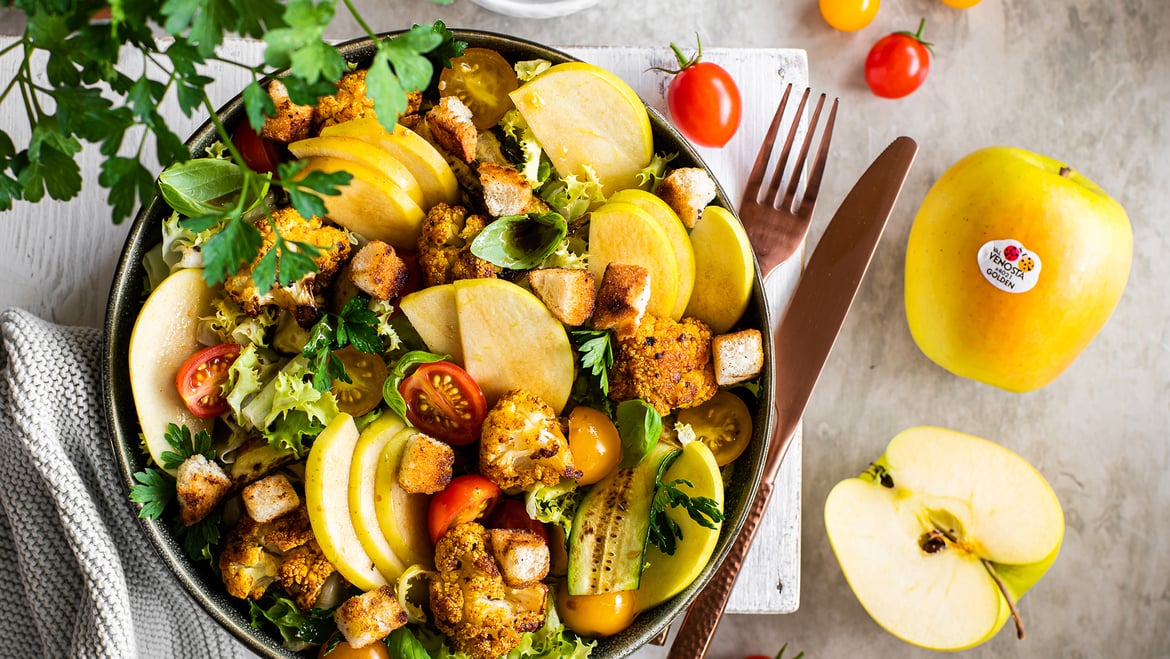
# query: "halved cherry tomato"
849,15
366,373
704,100
898,63
511,514
465,499
594,442
259,154
597,615
723,423
481,78
200,379
444,402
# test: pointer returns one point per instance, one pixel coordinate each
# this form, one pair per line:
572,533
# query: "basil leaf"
639,426
520,242
404,645
408,361
205,186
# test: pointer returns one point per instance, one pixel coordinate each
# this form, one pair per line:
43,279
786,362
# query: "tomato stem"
683,61
917,36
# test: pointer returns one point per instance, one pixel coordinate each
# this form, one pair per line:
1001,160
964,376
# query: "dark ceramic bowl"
126,298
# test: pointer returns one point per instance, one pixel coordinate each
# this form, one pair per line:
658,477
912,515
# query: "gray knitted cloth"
79,577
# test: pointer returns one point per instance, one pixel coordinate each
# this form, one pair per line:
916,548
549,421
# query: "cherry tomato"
481,78
259,154
849,15
413,272
960,4
704,100
511,514
343,650
465,499
599,615
200,379
444,402
723,423
366,373
898,63
595,444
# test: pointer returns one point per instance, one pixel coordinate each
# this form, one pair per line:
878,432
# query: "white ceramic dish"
535,8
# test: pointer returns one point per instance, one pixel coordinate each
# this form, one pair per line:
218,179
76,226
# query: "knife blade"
801,346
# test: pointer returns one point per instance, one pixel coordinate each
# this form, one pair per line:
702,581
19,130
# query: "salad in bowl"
478,389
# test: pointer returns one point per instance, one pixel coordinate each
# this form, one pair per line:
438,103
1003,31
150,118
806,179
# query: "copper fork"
775,223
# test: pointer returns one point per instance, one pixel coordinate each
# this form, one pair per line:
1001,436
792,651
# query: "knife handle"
701,619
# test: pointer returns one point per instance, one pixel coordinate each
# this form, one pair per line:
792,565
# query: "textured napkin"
80,578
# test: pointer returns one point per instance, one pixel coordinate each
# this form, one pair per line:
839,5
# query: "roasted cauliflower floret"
251,557
291,122
444,249
472,605
665,363
299,297
522,443
303,572
352,102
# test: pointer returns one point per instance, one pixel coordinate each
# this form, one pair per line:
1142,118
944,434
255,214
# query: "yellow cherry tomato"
481,78
723,423
594,443
343,650
961,4
599,615
850,15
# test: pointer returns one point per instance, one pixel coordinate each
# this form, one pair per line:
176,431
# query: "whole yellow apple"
1015,261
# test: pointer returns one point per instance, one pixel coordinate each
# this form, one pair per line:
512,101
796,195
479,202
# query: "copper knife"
801,345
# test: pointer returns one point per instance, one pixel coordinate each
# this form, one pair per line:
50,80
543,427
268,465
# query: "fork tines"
781,170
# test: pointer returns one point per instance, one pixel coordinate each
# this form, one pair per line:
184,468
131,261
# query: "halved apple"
364,493
510,340
942,535
164,336
431,311
371,205
402,516
585,116
427,165
724,270
621,232
363,153
668,575
327,479
676,231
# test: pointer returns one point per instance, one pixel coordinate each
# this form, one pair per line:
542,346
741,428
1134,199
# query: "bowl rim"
126,298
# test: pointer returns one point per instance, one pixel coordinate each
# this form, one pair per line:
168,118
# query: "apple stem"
1065,171
1007,596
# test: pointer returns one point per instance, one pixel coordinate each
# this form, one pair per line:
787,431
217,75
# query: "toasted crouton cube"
365,618
506,192
201,485
568,294
291,122
426,466
269,498
523,556
687,190
451,126
378,271
737,356
622,298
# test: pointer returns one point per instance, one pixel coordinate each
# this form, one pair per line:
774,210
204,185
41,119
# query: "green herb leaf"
201,539
185,445
201,186
313,627
640,426
129,184
356,325
520,242
407,362
664,531
154,491
237,243
403,645
596,352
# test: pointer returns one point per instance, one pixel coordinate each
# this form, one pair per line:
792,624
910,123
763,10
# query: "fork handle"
702,618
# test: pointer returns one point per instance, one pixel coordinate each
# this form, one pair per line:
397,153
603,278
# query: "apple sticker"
1009,266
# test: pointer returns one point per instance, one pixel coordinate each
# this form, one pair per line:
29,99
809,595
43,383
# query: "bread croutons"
737,356
687,190
427,465
622,299
363,619
451,126
269,498
200,485
568,293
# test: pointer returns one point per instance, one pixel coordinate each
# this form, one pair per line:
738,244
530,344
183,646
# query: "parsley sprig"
665,532
155,488
356,325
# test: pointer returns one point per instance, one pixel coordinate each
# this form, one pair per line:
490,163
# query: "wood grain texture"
57,257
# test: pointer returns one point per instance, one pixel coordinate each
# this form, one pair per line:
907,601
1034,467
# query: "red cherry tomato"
413,273
259,154
200,379
898,63
704,100
466,499
444,402
511,514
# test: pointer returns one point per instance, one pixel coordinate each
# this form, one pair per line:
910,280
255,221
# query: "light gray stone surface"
1087,81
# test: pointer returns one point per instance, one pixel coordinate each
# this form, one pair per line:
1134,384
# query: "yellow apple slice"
510,340
684,252
363,153
327,479
371,205
431,311
585,116
426,164
364,494
164,336
402,516
725,270
624,233
668,575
